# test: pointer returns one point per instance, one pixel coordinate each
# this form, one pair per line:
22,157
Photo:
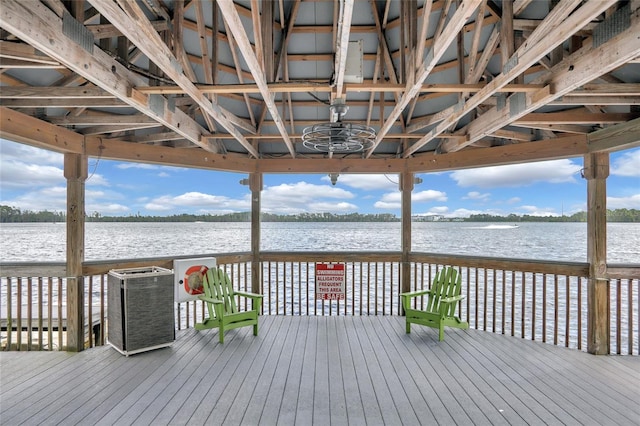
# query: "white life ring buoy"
193,279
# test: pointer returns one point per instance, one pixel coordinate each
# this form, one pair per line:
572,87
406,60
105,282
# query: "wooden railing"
536,300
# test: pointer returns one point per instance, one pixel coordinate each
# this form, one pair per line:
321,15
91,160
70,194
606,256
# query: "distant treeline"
617,215
10,215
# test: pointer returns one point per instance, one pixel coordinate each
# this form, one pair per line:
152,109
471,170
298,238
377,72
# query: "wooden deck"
324,370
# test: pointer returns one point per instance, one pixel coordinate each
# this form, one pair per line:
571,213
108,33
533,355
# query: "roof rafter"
131,20
232,17
585,65
342,44
541,41
441,43
98,67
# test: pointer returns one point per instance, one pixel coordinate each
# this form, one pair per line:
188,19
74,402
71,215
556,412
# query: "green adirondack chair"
440,308
220,298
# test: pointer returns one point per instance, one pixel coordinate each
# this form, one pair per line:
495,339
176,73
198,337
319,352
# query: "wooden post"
75,171
596,171
255,184
406,186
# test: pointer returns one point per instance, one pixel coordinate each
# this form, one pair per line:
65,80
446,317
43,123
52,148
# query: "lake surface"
105,241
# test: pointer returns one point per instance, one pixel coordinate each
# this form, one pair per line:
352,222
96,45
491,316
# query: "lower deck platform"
323,370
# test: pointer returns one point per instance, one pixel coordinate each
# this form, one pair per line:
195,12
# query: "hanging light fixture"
338,136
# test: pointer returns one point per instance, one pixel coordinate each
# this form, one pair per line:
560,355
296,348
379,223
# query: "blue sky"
32,179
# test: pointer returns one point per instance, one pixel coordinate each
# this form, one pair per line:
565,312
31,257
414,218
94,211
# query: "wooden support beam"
255,185
239,73
615,138
596,171
570,117
75,171
342,45
406,183
105,31
235,24
19,127
304,87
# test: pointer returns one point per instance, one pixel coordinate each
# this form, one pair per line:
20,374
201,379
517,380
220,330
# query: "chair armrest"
210,300
416,293
452,299
250,295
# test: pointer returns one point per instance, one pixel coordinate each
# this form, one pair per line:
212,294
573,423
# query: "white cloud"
393,200
199,200
52,198
477,196
514,200
96,180
632,202
340,207
17,174
392,197
125,166
514,175
627,165
463,213
368,182
384,205
289,198
422,196
428,196
12,151
538,211
106,208
439,210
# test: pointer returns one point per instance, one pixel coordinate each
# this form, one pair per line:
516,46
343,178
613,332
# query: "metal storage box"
140,310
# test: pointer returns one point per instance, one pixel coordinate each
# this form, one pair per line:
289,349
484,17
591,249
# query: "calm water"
104,241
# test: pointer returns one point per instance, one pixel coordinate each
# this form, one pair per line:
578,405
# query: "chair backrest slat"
218,285
447,284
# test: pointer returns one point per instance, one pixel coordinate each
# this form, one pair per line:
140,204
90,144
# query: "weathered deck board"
323,370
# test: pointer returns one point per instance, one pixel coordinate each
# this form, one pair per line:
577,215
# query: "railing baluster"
493,307
555,310
568,312
618,316
534,279
475,273
350,282
630,316
468,313
609,313
523,278
19,314
60,299
544,307
485,299
29,313
504,298
9,309
90,311
513,303
40,314
50,313
308,294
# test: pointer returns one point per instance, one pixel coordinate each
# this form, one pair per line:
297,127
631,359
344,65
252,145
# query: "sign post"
330,281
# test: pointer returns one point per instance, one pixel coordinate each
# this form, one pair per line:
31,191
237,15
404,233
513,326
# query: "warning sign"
330,281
